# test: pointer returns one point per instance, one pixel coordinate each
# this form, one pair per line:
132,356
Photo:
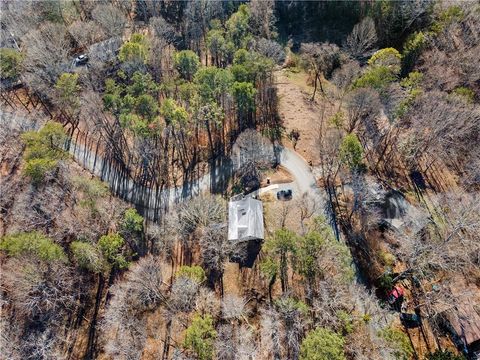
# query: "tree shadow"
221,170
253,248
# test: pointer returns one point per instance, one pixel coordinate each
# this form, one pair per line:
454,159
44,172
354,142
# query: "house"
245,219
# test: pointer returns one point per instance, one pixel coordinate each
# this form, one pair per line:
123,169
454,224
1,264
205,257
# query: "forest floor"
298,112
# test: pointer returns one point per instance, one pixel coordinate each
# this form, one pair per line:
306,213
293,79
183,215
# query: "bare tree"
85,33
362,105
233,307
86,7
101,55
293,319
320,60
162,29
19,18
162,239
250,153
472,176
226,342
217,249
200,212
145,281
39,290
129,339
446,60
451,242
344,76
252,147
124,323
438,249
442,127
179,355
111,19
183,293
9,337
328,145
330,299
308,206
47,56
126,6
235,343
42,345
158,58
271,341
361,41
363,344
207,303
247,348
262,20
270,49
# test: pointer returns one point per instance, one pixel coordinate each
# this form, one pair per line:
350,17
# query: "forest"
240,180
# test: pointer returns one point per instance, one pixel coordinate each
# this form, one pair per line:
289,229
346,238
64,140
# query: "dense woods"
128,128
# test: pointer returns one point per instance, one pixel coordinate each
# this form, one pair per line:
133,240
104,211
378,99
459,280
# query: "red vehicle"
395,295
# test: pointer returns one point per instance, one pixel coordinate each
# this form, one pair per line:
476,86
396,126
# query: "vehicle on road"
81,60
285,195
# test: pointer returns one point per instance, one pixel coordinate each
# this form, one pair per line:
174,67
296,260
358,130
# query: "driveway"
289,159
304,181
297,166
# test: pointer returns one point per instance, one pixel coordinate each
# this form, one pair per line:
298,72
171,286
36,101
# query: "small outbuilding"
245,219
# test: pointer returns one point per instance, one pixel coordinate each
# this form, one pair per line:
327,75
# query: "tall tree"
187,63
110,18
67,93
281,246
200,336
262,18
322,344
47,56
320,60
362,39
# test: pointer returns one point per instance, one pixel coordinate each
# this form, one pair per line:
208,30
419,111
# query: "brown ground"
279,175
298,112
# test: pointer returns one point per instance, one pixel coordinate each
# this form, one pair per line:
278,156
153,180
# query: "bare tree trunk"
314,87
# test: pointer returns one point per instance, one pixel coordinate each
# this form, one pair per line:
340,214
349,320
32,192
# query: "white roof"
245,219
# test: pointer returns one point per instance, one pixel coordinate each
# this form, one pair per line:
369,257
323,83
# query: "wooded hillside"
127,127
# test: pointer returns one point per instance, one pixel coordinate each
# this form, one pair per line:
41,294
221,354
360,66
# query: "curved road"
289,159
304,180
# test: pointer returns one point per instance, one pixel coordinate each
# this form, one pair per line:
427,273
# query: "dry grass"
298,112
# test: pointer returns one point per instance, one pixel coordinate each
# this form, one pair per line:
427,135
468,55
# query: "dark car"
81,60
410,321
285,194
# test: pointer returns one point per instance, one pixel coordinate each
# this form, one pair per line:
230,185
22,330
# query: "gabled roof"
245,219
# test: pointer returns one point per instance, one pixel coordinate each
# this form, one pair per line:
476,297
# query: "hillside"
239,180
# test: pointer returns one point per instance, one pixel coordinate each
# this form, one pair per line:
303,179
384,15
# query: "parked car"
285,194
81,60
410,321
